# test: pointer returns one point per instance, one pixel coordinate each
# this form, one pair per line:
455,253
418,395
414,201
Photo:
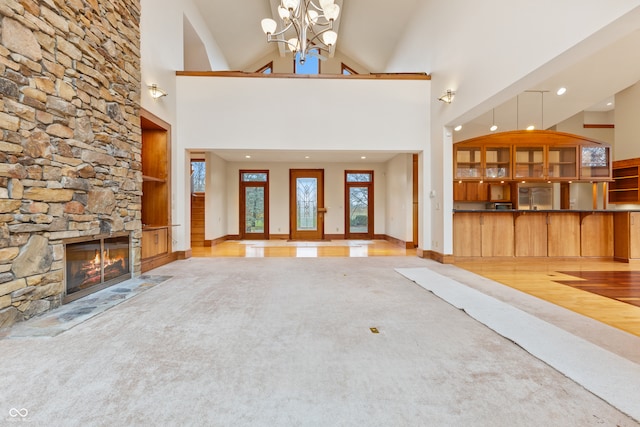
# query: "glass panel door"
254,205
359,200
307,204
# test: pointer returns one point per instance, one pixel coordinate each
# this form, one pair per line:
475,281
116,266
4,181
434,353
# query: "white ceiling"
369,29
301,156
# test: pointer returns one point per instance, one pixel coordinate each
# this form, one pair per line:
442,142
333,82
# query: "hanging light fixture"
305,27
493,127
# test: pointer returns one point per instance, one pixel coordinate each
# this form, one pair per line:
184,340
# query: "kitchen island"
605,234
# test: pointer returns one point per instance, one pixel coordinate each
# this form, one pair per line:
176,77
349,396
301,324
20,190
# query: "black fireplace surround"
91,265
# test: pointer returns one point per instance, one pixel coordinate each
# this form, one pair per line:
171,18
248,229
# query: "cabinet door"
477,192
497,234
597,235
562,162
148,243
563,234
531,235
595,162
497,163
467,234
468,162
634,235
529,162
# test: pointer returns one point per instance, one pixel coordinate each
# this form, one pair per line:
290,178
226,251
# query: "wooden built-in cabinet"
626,226
531,156
156,192
554,234
625,187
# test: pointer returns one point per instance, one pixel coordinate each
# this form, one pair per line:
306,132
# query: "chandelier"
306,27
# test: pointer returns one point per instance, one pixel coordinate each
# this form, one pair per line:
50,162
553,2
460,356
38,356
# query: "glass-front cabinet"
529,162
595,162
497,163
562,162
468,162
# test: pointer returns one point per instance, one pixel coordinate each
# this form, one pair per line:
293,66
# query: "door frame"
242,200
347,204
295,234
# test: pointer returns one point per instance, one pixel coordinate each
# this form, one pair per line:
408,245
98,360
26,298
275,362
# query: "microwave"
501,206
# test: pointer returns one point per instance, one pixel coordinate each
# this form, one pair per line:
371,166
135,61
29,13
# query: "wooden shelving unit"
625,187
156,192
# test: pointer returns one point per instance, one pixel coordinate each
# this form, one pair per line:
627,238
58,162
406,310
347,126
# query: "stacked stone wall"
70,140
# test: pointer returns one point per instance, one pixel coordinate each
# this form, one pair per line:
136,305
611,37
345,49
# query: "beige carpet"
287,342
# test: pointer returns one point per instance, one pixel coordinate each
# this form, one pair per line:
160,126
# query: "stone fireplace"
70,149
91,265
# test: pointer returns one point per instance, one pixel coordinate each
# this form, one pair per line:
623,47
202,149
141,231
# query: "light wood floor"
283,248
539,278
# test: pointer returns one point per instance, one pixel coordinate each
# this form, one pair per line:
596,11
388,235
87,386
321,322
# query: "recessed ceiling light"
458,128
307,157
561,91
247,156
609,104
531,127
363,157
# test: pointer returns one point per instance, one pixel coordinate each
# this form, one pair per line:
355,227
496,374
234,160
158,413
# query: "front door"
359,200
306,204
254,205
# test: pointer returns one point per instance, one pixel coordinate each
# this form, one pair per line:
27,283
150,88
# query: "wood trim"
278,237
317,234
398,242
370,204
598,126
344,67
435,256
151,263
265,67
374,76
182,255
242,187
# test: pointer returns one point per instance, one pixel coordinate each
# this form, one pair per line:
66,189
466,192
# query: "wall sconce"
447,97
156,92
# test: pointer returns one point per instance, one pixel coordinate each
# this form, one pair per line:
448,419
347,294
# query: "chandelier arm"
281,32
315,6
316,37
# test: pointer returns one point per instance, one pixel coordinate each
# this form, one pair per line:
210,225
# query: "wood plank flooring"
570,284
606,291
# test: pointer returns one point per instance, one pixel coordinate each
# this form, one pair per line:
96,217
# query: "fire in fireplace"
95,264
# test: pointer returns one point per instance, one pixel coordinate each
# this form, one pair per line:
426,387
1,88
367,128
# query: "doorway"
306,204
198,173
358,193
254,204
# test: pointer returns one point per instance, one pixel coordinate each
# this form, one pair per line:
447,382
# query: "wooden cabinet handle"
156,236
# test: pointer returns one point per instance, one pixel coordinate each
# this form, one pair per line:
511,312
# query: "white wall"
575,125
399,177
627,144
216,217
162,54
302,114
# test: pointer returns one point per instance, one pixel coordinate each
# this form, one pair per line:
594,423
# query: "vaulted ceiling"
368,34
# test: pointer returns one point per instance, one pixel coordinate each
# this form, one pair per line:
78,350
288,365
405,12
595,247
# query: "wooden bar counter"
555,234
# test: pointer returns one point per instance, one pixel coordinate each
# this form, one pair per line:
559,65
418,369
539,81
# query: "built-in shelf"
152,179
626,182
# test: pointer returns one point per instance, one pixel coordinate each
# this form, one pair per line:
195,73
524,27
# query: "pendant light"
493,127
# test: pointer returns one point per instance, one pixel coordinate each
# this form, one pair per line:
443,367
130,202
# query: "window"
311,64
347,71
267,69
198,169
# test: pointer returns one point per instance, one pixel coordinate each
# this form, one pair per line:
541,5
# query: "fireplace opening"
96,264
